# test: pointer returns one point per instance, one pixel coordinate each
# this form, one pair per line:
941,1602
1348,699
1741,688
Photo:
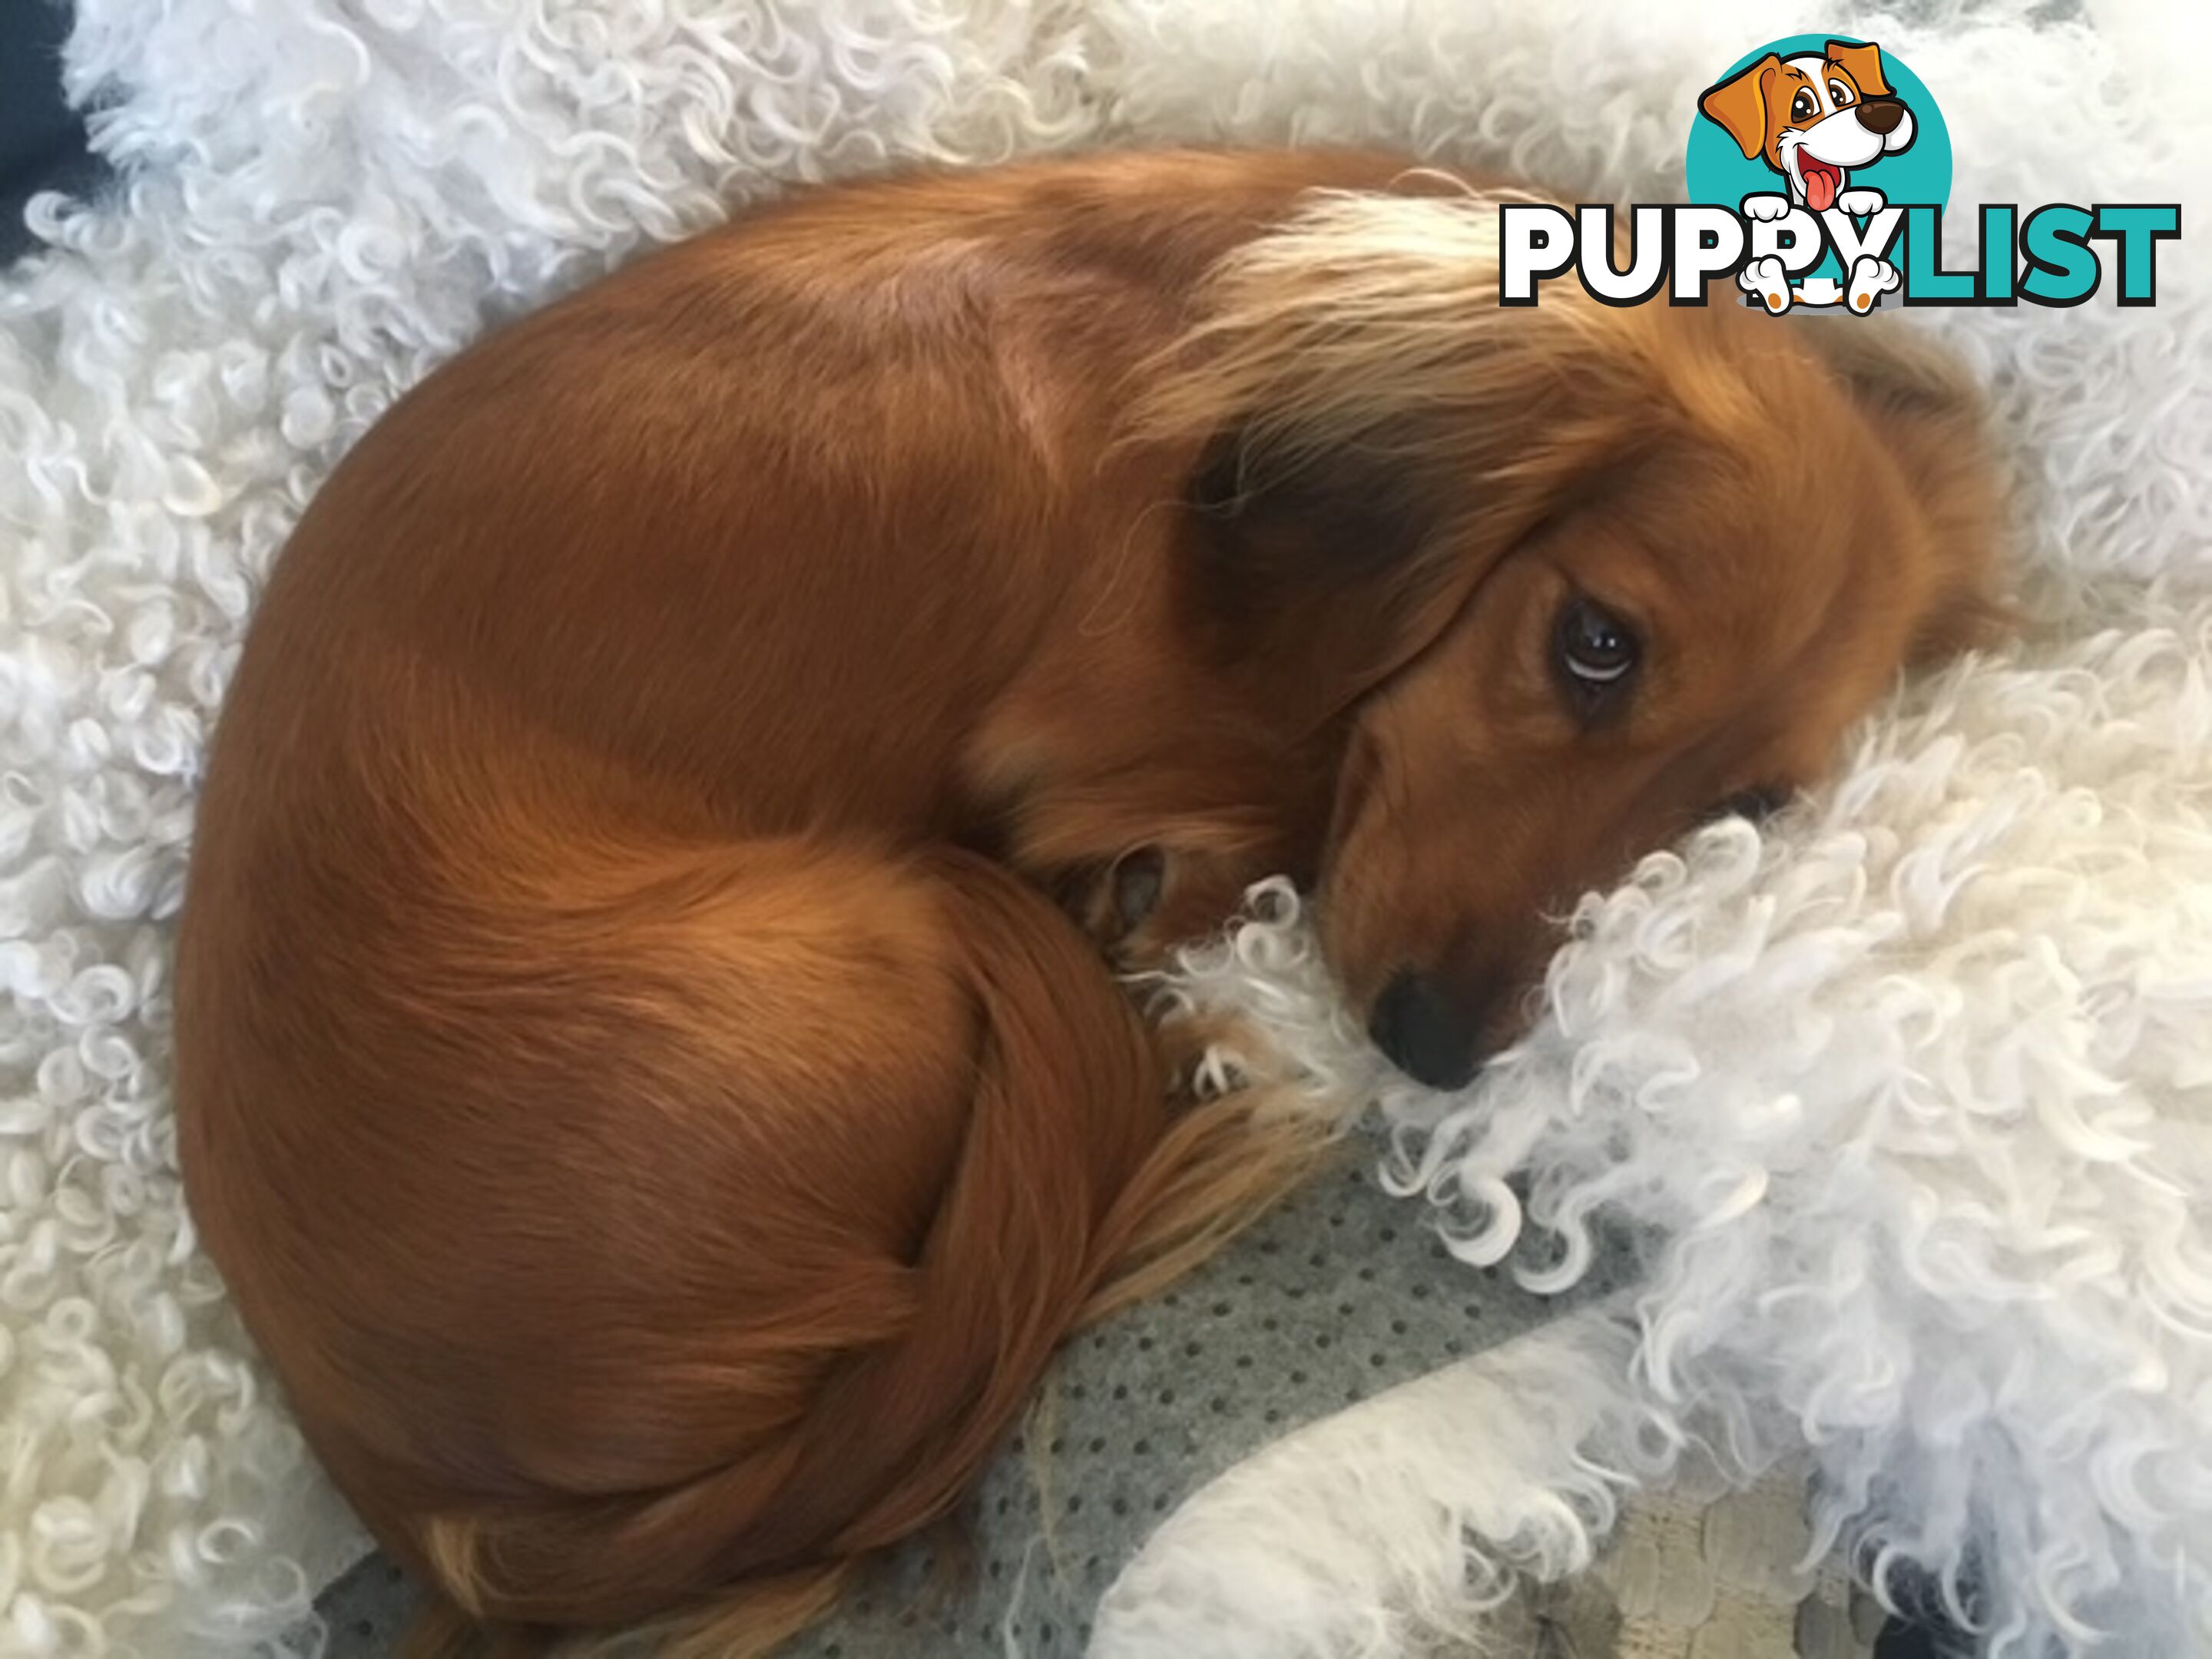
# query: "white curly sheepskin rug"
1912,1099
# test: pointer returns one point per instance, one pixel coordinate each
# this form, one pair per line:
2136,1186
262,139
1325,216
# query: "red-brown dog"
634,1073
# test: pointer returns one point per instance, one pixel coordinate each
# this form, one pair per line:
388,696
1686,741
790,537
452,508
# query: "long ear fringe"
1362,309
1932,413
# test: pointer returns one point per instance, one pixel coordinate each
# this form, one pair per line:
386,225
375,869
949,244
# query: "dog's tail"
1073,1186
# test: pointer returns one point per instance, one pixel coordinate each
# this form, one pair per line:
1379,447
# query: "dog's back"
654,1154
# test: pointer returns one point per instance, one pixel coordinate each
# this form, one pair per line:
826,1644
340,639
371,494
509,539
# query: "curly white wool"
327,198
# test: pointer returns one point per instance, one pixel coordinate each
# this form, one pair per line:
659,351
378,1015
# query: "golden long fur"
649,1066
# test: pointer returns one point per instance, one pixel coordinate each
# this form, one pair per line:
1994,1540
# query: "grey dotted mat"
1342,1292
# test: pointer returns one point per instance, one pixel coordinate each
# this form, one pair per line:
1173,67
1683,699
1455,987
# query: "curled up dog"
650,1064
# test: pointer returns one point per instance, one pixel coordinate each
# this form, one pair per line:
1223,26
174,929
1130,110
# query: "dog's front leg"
1870,279
1766,280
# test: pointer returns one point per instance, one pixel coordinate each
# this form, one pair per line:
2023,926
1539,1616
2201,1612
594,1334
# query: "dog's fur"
637,1070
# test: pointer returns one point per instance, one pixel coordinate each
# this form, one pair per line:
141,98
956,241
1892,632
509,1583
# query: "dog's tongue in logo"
1822,182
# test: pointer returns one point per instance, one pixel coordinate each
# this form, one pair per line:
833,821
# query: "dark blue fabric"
42,144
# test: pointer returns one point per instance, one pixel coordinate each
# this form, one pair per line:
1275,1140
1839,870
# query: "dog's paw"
1766,278
1870,279
1113,901
1862,202
1142,905
1765,206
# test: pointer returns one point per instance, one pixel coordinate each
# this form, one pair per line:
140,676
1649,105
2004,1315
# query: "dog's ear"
1964,618
1739,104
1863,64
1322,574
1922,403
1370,431
1897,371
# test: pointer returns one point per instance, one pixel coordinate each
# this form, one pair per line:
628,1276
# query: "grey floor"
1340,1293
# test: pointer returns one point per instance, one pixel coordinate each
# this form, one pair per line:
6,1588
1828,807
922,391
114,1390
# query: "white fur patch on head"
1362,307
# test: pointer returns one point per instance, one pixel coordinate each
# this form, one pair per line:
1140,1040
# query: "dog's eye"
1840,93
1803,107
1597,652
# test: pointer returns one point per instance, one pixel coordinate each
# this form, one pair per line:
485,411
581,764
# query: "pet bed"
1906,1102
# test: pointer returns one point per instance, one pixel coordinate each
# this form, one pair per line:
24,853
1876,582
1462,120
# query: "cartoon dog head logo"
1814,117
1810,139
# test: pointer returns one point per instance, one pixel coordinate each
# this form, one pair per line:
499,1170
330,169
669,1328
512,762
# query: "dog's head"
1813,119
1565,580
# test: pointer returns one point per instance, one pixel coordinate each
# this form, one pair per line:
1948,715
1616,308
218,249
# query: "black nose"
1419,1031
1881,114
